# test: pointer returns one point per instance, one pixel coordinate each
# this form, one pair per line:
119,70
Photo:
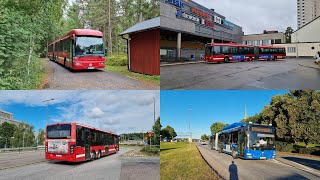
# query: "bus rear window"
60,131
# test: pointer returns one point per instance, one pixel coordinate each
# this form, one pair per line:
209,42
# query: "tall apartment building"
308,10
7,117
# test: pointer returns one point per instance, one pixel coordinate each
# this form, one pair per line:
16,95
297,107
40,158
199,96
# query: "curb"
309,66
182,63
220,176
22,165
305,168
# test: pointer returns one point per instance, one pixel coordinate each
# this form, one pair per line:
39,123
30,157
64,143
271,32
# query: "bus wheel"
93,155
234,154
226,59
99,154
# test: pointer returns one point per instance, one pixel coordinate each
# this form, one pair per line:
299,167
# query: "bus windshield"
89,46
261,141
61,131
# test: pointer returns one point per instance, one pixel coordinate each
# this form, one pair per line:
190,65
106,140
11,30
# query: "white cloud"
118,111
254,16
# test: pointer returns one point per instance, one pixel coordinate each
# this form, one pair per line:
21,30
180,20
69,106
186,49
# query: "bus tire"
93,155
99,154
226,59
250,58
234,154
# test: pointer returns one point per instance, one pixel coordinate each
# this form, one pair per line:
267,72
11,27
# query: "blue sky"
118,111
208,107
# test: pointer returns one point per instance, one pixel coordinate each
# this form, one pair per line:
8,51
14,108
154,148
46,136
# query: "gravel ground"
61,78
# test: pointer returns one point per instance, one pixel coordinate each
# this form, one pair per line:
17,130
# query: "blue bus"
246,140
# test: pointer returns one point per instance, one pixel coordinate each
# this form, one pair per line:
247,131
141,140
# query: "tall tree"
156,131
288,33
6,134
168,132
23,136
217,127
204,137
40,137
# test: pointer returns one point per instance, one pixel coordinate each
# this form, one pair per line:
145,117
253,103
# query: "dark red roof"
80,32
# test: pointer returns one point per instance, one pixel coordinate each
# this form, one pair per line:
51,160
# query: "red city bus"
79,49
228,52
271,52
74,142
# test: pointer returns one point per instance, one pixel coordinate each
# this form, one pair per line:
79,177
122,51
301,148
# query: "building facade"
266,38
7,117
187,26
307,11
305,42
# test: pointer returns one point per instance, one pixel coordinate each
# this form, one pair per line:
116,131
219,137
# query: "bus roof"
229,44
264,46
90,127
238,125
84,32
79,32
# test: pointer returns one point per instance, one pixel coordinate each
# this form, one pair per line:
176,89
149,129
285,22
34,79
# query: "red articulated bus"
271,52
74,142
228,52
79,49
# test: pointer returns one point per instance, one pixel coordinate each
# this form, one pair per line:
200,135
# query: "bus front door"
87,145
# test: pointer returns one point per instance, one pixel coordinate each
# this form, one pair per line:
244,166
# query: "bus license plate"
263,158
90,67
58,155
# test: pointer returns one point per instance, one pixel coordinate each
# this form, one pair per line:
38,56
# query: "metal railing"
19,149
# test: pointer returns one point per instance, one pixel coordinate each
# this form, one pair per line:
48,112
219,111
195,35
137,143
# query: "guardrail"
21,149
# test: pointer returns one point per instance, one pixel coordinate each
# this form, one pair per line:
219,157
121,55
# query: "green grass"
303,145
181,161
124,71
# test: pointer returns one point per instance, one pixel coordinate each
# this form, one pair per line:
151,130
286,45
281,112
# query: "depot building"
187,26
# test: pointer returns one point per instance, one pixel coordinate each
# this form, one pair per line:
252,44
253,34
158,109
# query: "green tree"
156,131
6,134
40,137
168,133
217,127
23,136
288,33
204,137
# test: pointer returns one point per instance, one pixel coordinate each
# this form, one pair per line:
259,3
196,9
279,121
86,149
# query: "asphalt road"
61,78
281,74
110,167
230,168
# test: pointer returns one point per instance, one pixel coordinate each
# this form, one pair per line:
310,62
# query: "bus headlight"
102,63
46,148
78,64
71,149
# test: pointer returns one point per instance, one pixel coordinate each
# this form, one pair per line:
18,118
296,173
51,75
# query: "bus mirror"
106,51
73,36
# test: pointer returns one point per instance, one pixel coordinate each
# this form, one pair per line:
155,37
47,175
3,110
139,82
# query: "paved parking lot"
282,74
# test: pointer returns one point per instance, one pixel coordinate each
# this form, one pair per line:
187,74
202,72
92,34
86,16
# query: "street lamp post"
23,139
154,118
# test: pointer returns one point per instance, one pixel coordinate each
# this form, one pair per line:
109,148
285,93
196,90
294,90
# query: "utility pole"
154,118
46,101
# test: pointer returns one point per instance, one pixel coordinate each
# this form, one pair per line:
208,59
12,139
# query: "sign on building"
217,19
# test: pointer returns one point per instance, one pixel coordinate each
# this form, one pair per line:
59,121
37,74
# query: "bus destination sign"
261,129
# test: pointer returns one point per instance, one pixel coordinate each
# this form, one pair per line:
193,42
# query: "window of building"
291,49
312,48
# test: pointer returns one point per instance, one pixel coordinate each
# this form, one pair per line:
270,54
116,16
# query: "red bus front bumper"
78,65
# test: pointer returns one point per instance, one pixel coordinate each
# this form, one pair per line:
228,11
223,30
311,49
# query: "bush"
117,59
284,146
153,150
311,151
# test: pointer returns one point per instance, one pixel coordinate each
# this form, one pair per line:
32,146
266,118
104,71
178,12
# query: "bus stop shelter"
143,43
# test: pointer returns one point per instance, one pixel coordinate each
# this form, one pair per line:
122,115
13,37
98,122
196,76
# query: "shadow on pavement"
294,176
233,170
166,149
315,164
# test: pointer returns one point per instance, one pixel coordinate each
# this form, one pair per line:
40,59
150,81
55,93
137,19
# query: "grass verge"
181,161
124,71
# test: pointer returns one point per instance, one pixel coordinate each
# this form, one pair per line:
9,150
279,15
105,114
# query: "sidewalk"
300,161
310,64
180,63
